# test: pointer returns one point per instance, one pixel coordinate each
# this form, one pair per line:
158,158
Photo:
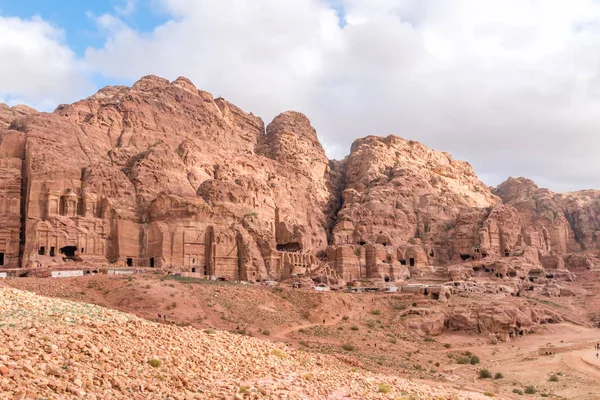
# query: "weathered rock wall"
162,175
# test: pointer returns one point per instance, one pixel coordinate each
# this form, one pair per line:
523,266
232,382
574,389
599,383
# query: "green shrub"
209,331
384,389
371,324
376,312
530,389
354,328
437,364
244,389
429,339
345,318
518,391
489,394
277,353
399,306
347,347
463,360
553,378
474,360
303,343
498,375
266,332
484,374
447,345
154,363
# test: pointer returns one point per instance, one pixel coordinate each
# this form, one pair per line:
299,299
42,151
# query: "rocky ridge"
163,175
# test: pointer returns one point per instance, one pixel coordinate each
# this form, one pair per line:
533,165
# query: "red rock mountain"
163,175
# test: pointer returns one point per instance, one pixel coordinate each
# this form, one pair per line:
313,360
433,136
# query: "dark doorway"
52,251
82,250
465,257
152,262
129,261
362,243
1,258
506,253
69,251
431,254
387,279
411,261
42,251
193,269
402,262
293,247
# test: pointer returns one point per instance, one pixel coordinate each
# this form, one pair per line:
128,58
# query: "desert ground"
369,331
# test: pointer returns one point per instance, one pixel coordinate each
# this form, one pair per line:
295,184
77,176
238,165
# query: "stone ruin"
162,175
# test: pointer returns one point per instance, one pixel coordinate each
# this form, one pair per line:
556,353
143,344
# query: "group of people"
164,316
597,347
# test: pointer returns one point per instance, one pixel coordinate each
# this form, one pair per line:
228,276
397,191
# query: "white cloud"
511,86
36,67
126,7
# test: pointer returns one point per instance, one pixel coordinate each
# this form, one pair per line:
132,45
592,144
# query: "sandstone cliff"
162,175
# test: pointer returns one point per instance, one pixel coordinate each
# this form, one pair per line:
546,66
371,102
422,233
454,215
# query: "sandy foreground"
59,349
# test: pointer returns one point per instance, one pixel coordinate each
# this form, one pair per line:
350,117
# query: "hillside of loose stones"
60,349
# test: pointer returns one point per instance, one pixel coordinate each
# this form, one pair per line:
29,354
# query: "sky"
511,86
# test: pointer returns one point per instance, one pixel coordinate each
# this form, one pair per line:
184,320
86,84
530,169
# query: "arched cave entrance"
129,261
386,279
68,251
411,262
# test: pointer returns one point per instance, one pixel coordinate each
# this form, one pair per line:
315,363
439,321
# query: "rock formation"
162,175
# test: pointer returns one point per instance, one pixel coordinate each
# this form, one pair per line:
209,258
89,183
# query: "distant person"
159,317
323,321
165,316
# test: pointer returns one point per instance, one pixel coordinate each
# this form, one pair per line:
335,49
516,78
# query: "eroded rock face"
9,114
163,175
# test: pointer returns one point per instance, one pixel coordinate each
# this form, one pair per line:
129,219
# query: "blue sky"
76,18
